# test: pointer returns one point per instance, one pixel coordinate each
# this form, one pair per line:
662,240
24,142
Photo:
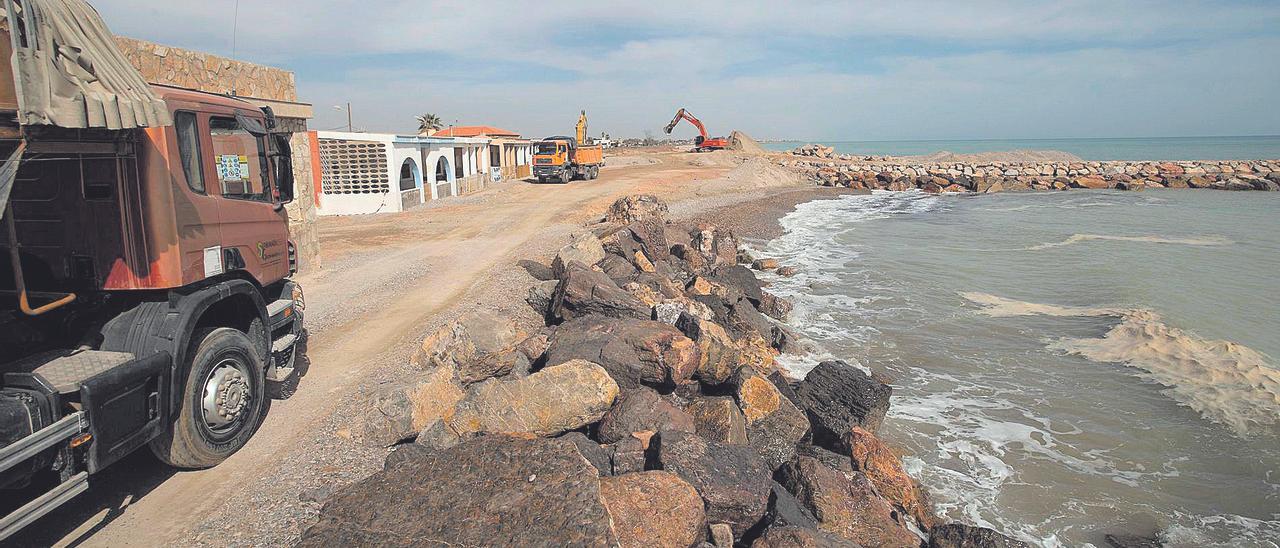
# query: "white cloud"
944,69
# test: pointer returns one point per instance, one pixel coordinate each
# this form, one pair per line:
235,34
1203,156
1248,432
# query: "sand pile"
742,142
1011,156
759,172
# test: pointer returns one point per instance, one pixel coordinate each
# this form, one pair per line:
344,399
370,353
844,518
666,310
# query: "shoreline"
655,367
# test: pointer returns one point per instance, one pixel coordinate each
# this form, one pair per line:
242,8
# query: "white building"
382,172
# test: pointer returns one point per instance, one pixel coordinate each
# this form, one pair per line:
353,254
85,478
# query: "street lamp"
348,109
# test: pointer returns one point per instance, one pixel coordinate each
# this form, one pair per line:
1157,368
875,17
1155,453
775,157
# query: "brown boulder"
628,209
478,345
774,424
846,506
554,400
399,412
634,352
654,508
792,536
764,264
720,357
719,419
585,292
732,481
587,250
873,458
775,307
1090,182
638,410
486,491
837,397
956,535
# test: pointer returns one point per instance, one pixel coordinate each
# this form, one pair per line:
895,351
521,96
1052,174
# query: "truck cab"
145,297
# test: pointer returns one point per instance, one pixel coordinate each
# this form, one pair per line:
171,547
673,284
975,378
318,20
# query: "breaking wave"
1225,382
1080,238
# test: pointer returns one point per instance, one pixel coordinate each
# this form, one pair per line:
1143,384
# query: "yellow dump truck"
563,159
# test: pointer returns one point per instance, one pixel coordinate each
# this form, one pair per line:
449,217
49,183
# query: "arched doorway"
443,177
410,184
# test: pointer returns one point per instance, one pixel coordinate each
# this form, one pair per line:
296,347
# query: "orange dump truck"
563,158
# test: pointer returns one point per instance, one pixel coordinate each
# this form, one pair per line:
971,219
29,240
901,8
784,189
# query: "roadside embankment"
826,168
645,408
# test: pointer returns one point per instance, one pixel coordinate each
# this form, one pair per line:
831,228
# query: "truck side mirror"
282,163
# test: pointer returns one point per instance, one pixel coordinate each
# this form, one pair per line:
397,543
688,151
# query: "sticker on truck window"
233,167
212,261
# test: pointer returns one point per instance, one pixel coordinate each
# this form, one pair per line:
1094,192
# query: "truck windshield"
546,148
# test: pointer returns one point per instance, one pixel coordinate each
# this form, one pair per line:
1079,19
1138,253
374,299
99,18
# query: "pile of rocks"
1004,176
647,411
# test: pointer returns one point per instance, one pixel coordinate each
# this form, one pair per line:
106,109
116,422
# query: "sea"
1065,364
1158,148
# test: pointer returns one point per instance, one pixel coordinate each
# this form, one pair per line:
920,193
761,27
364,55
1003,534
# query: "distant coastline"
1133,148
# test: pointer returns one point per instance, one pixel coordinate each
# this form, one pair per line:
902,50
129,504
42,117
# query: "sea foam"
1224,381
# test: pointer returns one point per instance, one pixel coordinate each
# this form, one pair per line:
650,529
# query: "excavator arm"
683,114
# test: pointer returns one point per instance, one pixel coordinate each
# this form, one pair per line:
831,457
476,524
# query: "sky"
886,70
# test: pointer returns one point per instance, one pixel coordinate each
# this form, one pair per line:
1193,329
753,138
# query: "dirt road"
387,280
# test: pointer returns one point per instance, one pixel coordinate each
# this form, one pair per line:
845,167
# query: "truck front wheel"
223,401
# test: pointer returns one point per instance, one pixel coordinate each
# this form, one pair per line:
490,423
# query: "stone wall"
997,176
207,72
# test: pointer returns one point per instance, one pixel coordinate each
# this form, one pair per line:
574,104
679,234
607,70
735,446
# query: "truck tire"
595,172
223,402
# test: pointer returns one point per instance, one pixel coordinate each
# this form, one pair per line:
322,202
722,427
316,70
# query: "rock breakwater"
646,410
823,166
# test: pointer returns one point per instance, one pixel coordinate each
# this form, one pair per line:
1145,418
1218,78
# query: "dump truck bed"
589,155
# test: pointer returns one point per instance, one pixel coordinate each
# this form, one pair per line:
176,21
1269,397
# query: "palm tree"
428,123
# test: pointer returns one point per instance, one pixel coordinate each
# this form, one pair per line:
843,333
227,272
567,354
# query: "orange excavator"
702,142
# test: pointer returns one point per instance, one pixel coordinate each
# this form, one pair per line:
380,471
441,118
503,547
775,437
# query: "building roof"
475,131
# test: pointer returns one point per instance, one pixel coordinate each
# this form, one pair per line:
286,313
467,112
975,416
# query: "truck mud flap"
124,407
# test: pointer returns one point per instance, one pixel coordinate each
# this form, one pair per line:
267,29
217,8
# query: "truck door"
255,231
196,205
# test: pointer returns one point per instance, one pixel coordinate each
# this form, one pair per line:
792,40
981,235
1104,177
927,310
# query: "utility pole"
349,130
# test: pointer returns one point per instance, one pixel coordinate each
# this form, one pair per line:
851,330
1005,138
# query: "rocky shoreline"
645,410
825,167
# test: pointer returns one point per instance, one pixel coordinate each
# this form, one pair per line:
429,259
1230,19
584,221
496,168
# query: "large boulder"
774,306
844,505
669,310
741,278
399,412
838,397
873,458
585,249
774,424
486,491
733,482
956,535
720,358
554,400
638,410
791,536
735,312
717,246
718,418
585,292
540,295
478,345
654,508
628,209
634,352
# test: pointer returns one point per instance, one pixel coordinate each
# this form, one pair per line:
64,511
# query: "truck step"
283,351
284,343
66,369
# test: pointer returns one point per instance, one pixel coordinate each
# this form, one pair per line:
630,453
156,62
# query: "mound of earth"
744,143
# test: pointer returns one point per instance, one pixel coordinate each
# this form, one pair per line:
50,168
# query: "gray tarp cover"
70,73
